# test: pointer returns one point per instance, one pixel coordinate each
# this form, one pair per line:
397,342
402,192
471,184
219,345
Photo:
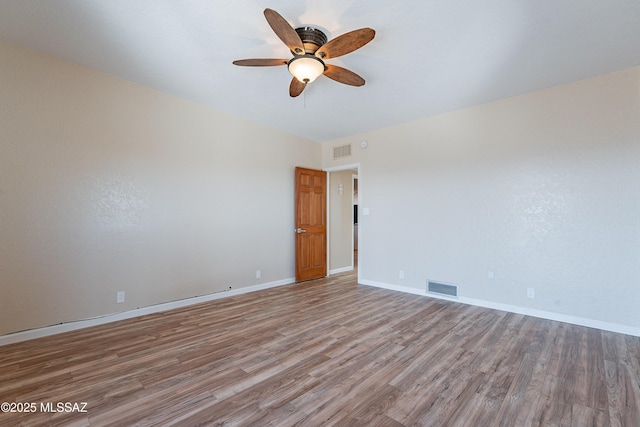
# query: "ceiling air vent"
342,151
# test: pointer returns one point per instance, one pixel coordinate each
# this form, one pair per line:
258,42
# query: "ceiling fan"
310,49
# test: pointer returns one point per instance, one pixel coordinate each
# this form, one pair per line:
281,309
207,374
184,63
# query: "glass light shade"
306,68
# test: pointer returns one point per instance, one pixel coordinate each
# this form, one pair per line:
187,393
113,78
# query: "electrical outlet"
531,293
120,297
401,274
490,275
258,274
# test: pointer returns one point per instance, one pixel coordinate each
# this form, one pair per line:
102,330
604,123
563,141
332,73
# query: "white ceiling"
428,57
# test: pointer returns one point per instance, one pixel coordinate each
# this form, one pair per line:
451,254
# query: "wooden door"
311,224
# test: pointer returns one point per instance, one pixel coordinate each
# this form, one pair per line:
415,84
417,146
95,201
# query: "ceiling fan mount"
311,48
312,39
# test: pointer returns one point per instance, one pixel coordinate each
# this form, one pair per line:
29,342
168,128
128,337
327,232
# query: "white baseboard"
340,270
80,324
574,320
85,323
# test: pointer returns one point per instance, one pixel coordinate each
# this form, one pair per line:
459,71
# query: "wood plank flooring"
324,353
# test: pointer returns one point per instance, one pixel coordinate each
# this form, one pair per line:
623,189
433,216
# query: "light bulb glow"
306,68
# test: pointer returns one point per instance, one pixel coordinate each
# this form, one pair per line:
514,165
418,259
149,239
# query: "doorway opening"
344,232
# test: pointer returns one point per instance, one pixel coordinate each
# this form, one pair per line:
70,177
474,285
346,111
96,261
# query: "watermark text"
49,407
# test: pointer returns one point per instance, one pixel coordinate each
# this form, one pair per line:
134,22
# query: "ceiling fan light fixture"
309,47
306,68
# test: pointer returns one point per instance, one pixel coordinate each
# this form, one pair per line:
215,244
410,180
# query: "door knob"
300,230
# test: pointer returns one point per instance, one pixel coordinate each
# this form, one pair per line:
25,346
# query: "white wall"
541,189
107,186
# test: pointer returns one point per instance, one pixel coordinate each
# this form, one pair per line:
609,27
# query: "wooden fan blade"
296,87
346,43
284,31
342,75
260,62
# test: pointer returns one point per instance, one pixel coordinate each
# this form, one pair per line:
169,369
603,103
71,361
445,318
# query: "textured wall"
541,190
107,186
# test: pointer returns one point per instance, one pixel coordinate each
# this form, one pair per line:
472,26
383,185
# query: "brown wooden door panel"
311,218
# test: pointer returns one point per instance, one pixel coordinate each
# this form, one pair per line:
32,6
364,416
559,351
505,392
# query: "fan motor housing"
312,39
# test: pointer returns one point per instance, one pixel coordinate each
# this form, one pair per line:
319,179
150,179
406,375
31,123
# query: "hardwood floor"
327,352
